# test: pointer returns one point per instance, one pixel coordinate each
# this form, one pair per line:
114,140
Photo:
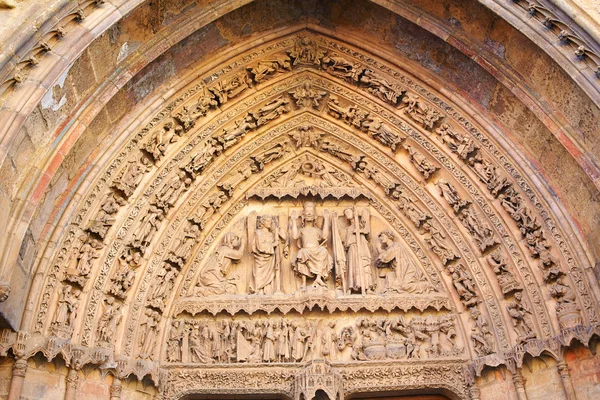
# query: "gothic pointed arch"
291,204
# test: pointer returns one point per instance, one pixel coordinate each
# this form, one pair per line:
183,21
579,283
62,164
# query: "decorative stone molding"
192,186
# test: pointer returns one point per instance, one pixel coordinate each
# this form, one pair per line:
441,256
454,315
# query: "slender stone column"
72,379
475,393
563,370
519,383
18,377
115,389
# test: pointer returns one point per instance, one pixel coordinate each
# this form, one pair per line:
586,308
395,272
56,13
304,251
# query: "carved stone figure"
243,172
480,334
463,147
104,219
131,175
192,112
407,205
186,244
480,230
162,286
567,309
382,133
232,135
420,112
148,334
387,183
448,191
199,344
495,180
300,335
521,318
272,110
108,323
306,96
447,330
4,291
265,247
148,226
268,67
381,87
209,208
229,88
199,161
214,278
397,269
161,138
351,115
305,136
66,312
550,266
125,276
424,166
175,341
86,255
342,68
268,345
306,172
172,190
61,315
464,285
436,240
283,335
269,153
306,51
357,162
313,259
506,279
354,240
328,341
513,203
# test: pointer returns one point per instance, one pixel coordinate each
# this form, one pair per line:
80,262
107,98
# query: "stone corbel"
4,291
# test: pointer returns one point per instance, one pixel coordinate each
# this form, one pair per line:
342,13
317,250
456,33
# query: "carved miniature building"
299,199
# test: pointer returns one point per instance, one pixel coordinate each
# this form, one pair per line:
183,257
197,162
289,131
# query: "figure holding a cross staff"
357,275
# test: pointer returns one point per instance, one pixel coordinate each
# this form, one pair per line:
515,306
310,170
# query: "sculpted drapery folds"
346,137
105,217
131,175
108,322
313,259
183,250
481,336
215,278
354,240
268,247
396,267
147,228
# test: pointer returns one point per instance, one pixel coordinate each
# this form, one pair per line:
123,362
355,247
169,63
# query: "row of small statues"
280,340
349,256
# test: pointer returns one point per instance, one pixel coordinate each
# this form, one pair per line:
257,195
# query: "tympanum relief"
310,239
294,246
293,338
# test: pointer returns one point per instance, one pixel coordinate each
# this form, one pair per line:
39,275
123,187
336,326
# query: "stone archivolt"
307,124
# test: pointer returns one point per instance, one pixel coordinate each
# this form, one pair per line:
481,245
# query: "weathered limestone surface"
235,198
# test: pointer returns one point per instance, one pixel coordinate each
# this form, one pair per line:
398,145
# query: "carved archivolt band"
138,239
